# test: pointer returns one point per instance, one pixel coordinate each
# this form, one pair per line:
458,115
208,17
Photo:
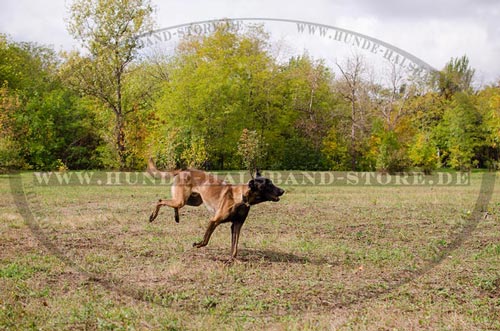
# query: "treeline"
224,101
44,125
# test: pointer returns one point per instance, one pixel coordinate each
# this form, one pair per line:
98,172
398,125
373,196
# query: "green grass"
322,258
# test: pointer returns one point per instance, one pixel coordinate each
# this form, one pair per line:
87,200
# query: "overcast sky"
432,30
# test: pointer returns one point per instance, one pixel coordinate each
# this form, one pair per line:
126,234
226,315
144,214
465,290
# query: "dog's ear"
257,174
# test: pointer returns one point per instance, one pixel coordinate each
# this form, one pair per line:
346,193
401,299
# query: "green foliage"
220,97
335,150
423,153
43,123
10,157
310,98
217,87
195,155
489,105
59,129
250,149
461,128
391,155
301,154
456,77
164,146
107,29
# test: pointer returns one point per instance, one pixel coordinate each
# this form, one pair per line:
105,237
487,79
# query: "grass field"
323,258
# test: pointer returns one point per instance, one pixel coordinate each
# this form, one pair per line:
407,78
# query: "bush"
423,153
391,155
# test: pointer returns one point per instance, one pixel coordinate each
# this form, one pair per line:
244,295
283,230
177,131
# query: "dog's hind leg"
171,203
193,200
176,215
180,196
155,212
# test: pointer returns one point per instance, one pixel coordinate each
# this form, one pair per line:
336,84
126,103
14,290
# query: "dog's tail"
152,170
151,166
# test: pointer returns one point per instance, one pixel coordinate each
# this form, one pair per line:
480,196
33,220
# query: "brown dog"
229,203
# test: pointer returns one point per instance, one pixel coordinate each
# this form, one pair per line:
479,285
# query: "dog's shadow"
264,255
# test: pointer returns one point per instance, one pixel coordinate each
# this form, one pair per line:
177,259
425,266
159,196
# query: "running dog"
229,203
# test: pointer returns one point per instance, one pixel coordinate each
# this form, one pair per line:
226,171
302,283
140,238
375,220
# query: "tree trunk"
353,131
120,121
120,139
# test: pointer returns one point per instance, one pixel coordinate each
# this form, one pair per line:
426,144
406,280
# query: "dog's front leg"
211,227
239,214
235,236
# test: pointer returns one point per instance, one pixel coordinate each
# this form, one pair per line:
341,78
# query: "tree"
10,156
310,105
393,110
423,153
427,144
108,31
354,89
489,103
392,100
311,97
195,154
250,149
44,125
335,149
388,147
462,131
218,85
456,76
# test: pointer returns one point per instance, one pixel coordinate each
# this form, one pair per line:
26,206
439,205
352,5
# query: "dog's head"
262,189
